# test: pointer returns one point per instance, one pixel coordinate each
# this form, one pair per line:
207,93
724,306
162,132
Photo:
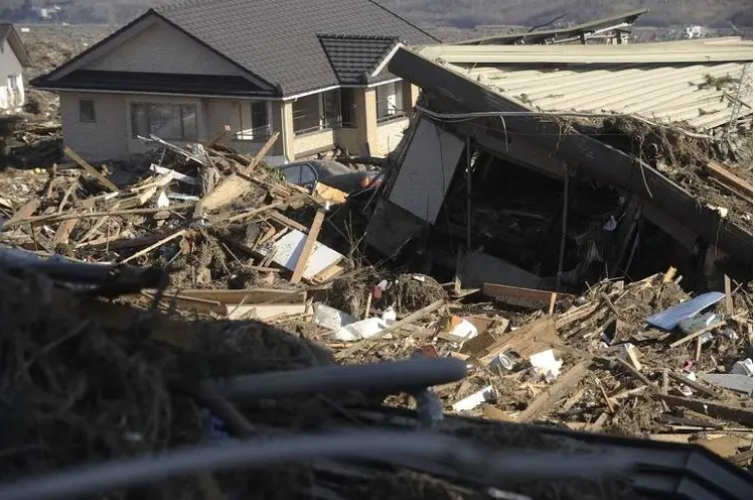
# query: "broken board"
288,249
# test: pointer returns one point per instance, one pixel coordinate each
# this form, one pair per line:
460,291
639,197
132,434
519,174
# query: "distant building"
13,59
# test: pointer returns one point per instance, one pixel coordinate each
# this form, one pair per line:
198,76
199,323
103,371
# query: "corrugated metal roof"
700,94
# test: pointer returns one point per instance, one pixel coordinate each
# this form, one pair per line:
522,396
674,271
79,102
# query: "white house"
13,59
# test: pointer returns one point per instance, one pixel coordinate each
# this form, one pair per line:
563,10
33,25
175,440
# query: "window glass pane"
139,120
331,109
307,114
86,111
348,108
260,120
165,121
189,119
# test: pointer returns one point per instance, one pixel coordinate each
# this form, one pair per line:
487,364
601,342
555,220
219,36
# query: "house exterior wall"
314,142
348,138
107,138
163,49
11,93
389,135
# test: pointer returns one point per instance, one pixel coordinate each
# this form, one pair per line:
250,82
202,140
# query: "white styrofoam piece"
289,248
365,329
465,330
545,364
474,400
330,317
176,175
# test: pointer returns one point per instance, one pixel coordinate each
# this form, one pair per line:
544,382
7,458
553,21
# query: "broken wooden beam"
531,338
698,333
107,183
261,153
86,215
713,408
693,384
309,244
155,245
729,179
553,394
525,297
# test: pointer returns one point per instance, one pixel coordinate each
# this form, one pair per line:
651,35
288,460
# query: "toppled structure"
558,166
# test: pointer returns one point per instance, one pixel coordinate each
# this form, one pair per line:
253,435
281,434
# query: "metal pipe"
392,376
490,467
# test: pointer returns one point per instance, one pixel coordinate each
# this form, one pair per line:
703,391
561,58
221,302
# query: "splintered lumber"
309,244
727,178
88,215
219,136
525,297
549,397
63,234
261,153
693,336
415,316
247,296
90,169
712,408
639,376
276,215
729,300
160,243
693,384
527,340
576,314
229,189
23,213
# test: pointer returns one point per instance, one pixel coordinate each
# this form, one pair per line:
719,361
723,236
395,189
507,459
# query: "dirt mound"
411,292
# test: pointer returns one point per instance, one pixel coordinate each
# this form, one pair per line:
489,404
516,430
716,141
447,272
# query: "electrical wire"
487,466
390,376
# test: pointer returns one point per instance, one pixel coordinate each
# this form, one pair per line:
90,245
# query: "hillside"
456,13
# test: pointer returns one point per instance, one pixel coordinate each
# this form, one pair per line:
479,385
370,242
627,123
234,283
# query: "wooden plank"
263,311
107,183
276,215
527,340
248,296
261,153
693,384
729,299
520,296
26,211
309,244
728,178
546,399
742,459
229,189
219,136
693,336
63,233
49,219
415,316
714,408
163,241
639,376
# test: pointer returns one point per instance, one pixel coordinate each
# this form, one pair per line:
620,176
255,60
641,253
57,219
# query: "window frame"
254,133
399,110
181,120
81,111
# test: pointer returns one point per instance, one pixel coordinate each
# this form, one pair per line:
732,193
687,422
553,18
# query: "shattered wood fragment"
546,399
63,233
309,244
84,215
742,459
160,243
26,211
639,376
218,137
729,299
526,297
693,336
415,316
532,338
247,296
261,153
714,408
90,170
276,215
576,314
229,189
693,384
729,179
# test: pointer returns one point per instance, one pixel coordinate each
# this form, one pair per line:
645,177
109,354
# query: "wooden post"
261,153
309,244
90,169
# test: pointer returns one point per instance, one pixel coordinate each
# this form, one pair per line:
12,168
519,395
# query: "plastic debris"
546,365
474,400
671,317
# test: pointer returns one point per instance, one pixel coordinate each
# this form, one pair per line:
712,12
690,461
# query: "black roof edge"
149,12
14,39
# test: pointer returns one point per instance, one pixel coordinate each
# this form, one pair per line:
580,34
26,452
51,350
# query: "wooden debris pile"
216,218
589,363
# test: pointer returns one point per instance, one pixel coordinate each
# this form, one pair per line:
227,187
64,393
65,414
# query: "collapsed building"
548,167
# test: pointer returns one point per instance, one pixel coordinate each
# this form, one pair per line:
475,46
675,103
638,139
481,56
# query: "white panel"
288,250
427,170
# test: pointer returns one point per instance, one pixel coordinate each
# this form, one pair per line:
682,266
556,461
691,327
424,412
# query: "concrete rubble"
194,295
